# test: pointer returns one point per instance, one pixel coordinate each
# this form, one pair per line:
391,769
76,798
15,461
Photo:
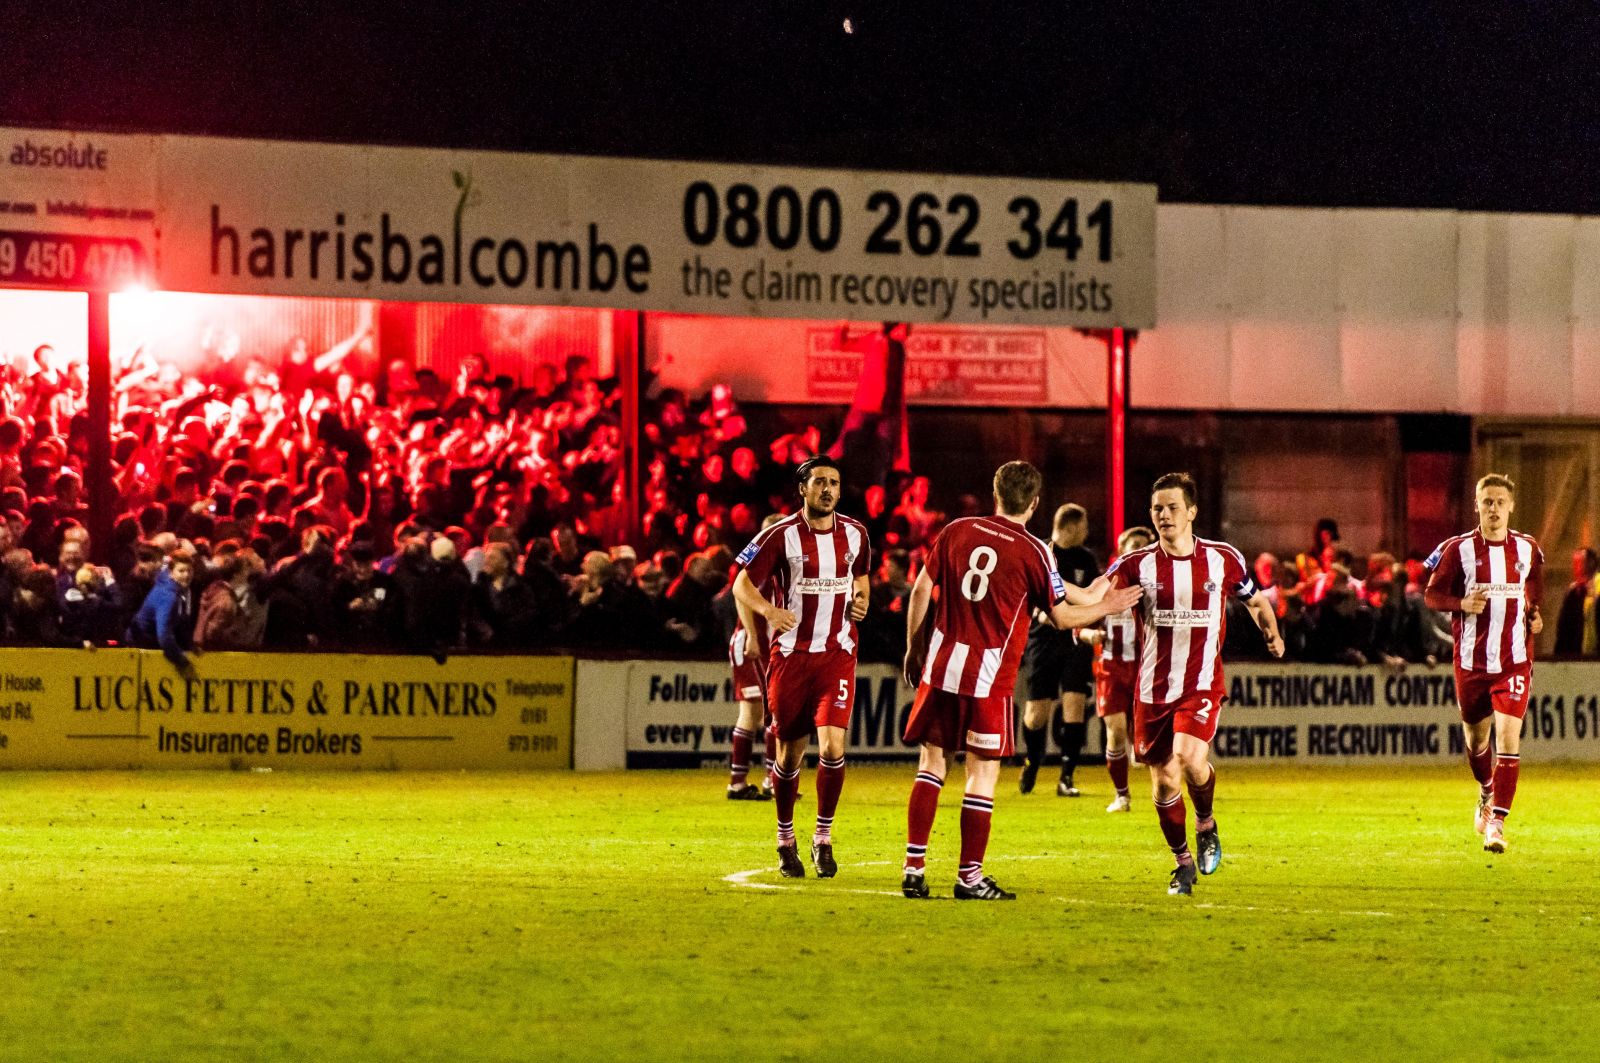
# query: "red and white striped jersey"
1511,574
1182,618
812,575
988,573
1122,638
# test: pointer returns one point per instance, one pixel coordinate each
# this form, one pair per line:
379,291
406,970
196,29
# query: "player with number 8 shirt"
815,565
983,578
1490,580
1181,620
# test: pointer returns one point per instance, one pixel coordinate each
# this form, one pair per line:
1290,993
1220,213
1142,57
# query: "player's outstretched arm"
746,594
1064,615
1266,619
1088,595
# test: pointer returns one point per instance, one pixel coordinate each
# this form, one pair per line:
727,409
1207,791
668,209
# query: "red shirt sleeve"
863,562
1534,584
1045,587
760,561
1445,583
1240,582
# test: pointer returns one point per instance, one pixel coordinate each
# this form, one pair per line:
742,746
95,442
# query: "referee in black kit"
1058,666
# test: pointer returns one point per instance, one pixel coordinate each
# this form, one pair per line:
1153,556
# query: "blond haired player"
1490,580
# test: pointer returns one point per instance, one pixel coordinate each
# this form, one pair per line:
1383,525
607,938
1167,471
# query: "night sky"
1457,105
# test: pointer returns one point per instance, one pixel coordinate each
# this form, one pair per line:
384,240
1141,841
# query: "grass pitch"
158,916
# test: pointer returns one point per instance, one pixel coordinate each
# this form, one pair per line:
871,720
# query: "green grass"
158,916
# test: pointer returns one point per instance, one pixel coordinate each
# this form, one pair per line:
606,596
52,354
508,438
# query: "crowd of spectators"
1335,609
288,504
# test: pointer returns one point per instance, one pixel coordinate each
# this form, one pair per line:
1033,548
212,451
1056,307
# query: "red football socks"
1505,782
785,786
830,783
1201,796
1482,764
739,759
1117,768
1174,825
924,805
976,812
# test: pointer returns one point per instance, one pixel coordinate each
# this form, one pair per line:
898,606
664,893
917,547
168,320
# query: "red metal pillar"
99,484
1116,433
631,371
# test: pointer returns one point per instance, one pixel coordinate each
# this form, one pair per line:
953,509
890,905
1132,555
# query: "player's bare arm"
747,621
1065,615
1266,619
746,594
1090,594
916,613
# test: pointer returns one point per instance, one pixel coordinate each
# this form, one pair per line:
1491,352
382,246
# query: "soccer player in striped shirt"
1116,676
748,650
1490,581
1181,620
815,566
989,574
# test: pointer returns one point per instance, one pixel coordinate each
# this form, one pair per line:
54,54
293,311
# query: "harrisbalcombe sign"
280,218
682,713
118,708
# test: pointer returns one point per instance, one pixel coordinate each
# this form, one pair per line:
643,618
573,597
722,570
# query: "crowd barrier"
123,708
645,714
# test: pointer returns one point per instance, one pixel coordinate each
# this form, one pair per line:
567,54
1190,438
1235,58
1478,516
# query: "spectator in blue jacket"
164,622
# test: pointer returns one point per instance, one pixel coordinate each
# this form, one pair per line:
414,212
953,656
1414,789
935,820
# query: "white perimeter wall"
1296,309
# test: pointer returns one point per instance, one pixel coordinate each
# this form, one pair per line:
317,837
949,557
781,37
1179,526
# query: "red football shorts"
749,679
1482,694
1154,725
981,726
1114,683
809,690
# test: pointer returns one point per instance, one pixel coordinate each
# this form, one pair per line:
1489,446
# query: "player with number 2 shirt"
989,574
1184,582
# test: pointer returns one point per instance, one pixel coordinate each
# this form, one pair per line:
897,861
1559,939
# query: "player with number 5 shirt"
1185,582
815,565
1490,581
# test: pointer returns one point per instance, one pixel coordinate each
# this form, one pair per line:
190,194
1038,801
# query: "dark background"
1475,106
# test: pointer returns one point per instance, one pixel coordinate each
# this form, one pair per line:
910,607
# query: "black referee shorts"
1056,663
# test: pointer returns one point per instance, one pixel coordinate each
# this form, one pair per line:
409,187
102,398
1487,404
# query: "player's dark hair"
1496,479
1016,487
1180,480
807,467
